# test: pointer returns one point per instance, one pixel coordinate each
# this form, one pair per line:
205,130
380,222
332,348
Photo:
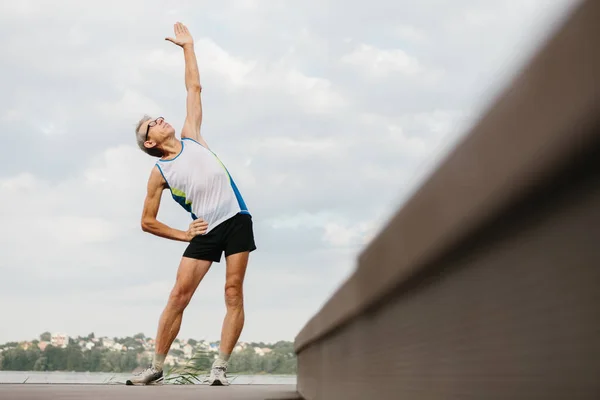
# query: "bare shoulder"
197,139
156,181
156,185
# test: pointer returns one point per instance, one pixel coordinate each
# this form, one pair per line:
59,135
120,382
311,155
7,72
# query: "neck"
171,148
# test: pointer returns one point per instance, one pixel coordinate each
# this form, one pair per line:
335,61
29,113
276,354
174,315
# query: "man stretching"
201,184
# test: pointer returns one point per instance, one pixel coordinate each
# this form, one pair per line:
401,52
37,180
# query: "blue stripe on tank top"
238,195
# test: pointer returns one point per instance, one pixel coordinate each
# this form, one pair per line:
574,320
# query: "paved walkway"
165,392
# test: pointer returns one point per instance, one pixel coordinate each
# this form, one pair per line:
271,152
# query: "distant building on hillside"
25,345
188,350
118,347
170,360
238,348
263,351
59,340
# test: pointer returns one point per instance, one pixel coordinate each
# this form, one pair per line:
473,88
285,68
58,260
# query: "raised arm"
156,185
193,120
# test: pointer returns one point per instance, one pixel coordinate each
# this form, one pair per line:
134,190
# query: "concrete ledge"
512,314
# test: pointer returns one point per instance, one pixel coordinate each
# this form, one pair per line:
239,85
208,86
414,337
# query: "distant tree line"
71,358
281,359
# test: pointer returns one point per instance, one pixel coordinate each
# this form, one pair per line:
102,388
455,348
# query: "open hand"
182,35
197,227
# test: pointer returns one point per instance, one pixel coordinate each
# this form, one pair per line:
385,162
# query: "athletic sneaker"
218,376
149,376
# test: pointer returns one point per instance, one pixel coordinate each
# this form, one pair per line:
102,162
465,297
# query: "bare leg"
234,300
189,276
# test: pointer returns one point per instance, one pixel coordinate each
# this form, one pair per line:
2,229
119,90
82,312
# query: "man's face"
157,130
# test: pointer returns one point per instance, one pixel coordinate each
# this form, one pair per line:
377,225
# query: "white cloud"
71,232
24,182
380,63
314,94
11,115
347,235
131,106
478,17
51,129
410,34
302,147
277,78
234,70
66,213
78,36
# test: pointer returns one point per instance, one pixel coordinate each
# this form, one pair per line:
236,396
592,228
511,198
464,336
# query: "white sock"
159,361
224,356
222,360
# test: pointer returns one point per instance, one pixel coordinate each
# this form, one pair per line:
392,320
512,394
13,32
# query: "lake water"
112,378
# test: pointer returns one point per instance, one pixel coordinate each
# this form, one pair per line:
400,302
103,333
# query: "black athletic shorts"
235,235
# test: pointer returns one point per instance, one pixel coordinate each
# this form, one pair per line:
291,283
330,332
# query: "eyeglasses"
151,124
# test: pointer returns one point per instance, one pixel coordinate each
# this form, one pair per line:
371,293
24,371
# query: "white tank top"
201,184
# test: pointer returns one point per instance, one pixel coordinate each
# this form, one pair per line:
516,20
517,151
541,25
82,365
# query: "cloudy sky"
327,113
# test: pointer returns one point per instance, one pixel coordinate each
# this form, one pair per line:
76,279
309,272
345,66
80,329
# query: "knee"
179,299
233,294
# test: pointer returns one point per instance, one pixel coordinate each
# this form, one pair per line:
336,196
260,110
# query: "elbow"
146,225
195,87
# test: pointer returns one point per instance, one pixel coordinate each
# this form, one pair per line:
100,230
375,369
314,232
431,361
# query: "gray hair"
141,138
